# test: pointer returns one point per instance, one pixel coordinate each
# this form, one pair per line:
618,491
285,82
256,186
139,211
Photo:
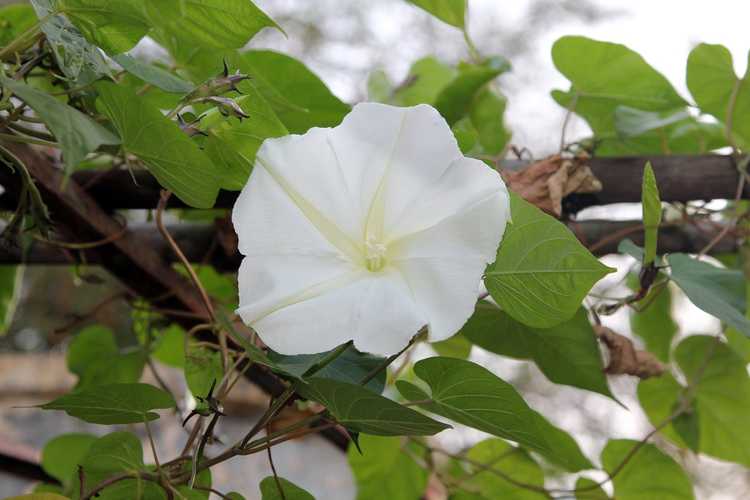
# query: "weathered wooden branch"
680,178
198,242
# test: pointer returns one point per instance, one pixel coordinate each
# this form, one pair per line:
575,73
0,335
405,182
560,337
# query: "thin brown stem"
273,469
172,243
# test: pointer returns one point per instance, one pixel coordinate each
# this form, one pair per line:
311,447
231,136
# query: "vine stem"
163,198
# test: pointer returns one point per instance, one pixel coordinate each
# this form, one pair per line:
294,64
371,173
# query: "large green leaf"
650,473
115,25
113,403
455,99
507,461
174,159
486,114
114,454
232,143
384,470
39,496
14,21
94,356
301,100
721,400
651,214
654,323
351,366
77,134
364,411
203,369
472,395
62,454
567,353
449,11
613,74
269,488
154,75
719,292
214,24
542,272
606,76
79,60
718,90
426,78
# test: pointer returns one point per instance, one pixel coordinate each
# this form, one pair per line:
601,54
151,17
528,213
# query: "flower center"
375,253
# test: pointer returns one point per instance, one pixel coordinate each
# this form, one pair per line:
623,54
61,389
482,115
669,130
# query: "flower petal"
268,283
444,264
390,154
377,311
268,222
466,182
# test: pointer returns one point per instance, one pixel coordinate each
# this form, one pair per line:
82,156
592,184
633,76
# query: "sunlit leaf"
542,272
115,25
718,90
449,11
215,24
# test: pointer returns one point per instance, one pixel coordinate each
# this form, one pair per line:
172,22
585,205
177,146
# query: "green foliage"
175,160
426,78
351,366
542,272
364,411
648,474
113,403
16,20
721,391
505,460
567,353
154,75
213,24
449,11
455,347
77,134
383,470
651,214
269,488
472,395
299,98
203,369
79,60
586,489
719,292
631,107
718,91
232,143
62,454
39,496
94,356
115,25
455,99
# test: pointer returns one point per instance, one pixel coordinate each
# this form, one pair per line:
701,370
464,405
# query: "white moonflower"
367,231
